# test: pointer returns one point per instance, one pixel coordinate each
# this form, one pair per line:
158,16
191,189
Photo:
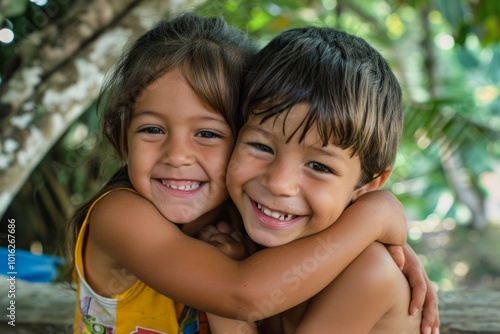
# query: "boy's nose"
282,179
177,151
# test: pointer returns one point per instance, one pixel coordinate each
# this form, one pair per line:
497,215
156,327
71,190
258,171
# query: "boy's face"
286,190
178,150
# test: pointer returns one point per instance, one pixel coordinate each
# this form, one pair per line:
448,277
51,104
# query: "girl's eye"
152,130
207,134
261,147
320,167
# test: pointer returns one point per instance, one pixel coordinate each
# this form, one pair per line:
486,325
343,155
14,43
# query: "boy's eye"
320,167
261,147
207,134
152,130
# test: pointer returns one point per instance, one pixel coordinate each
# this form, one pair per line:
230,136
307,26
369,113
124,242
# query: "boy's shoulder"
376,270
370,295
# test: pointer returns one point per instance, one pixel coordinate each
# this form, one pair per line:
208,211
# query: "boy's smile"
286,189
178,150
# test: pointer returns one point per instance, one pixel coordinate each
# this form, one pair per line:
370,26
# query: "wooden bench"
469,311
48,308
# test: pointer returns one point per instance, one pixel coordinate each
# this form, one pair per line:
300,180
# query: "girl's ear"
374,184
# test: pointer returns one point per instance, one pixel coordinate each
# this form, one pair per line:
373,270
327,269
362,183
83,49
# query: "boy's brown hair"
355,99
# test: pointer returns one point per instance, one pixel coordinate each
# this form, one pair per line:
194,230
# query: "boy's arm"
221,325
132,233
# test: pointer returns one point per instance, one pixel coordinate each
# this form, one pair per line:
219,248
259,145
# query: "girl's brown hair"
212,58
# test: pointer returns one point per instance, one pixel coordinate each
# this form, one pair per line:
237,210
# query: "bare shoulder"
120,224
377,271
375,275
370,296
120,203
377,264
385,281
126,212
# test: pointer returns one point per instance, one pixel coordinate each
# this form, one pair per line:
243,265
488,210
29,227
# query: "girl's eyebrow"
141,113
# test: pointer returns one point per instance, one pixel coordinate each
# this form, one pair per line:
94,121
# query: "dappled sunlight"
456,256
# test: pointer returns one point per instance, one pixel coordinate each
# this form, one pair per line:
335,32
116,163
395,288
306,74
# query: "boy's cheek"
233,169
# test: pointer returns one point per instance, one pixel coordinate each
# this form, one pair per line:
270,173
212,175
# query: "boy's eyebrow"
255,128
325,150
328,151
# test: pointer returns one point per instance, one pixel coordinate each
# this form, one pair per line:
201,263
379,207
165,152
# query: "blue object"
23,264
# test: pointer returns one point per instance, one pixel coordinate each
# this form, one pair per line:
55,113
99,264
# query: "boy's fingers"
237,235
222,238
207,232
224,227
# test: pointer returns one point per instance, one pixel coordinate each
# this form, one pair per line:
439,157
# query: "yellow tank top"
137,310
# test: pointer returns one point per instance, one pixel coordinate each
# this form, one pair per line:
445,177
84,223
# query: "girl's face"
178,151
286,190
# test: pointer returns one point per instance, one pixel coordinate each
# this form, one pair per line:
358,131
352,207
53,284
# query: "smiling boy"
323,117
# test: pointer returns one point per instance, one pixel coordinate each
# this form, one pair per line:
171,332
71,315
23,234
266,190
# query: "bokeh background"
446,54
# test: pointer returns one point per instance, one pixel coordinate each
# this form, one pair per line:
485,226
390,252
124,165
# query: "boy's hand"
388,214
423,293
228,240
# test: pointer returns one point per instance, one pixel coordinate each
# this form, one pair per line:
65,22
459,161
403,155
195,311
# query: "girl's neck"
212,217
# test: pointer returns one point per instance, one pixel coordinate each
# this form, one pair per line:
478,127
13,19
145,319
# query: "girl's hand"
397,254
423,293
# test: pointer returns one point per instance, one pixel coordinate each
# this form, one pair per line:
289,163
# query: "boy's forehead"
275,112
291,123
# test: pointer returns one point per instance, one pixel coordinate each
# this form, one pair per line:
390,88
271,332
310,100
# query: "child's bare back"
372,285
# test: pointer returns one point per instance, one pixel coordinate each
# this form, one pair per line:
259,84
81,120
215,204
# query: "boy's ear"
374,184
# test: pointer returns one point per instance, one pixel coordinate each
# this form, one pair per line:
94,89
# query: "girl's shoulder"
120,200
121,210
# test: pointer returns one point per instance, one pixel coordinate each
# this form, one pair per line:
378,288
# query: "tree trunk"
59,74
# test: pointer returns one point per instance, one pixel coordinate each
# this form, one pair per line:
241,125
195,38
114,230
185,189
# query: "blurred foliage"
446,54
24,18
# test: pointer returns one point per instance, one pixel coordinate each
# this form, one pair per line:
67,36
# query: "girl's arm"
131,232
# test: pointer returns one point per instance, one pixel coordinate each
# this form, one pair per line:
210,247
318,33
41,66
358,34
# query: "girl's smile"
178,150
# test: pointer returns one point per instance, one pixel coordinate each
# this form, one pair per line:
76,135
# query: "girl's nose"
178,151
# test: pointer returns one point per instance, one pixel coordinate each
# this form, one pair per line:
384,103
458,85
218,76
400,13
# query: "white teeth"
183,187
275,214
